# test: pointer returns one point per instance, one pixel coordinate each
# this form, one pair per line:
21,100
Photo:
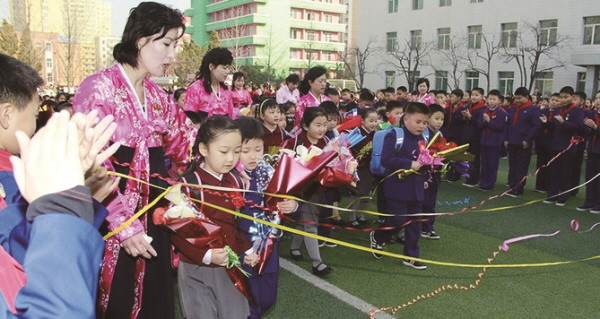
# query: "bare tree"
408,59
72,38
535,52
233,36
453,57
27,52
481,59
273,55
9,42
355,61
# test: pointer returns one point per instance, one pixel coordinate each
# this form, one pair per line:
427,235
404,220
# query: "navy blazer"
593,135
563,132
544,138
494,131
527,126
411,187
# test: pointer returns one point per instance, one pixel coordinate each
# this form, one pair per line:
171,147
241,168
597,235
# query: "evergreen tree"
27,52
188,63
214,41
9,42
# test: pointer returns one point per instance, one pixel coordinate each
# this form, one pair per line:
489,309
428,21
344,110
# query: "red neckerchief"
451,112
475,107
491,114
518,110
550,117
5,164
564,111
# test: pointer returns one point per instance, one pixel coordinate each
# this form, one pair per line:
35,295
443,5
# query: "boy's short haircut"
416,107
567,90
366,95
393,105
480,90
435,108
581,95
509,99
365,112
330,108
346,90
63,105
402,88
496,93
555,94
292,78
331,92
250,128
522,91
389,90
18,82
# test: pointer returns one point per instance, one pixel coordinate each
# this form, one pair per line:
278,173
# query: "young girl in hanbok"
240,97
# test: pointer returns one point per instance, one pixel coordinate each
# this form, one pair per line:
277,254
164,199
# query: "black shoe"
483,189
323,272
414,264
375,245
430,235
540,191
469,185
361,219
354,224
584,208
513,195
595,211
296,254
549,201
561,203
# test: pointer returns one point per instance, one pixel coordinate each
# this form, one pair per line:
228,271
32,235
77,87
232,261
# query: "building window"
441,80
328,37
310,35
392,44
581,76
48,63
548,30
443,38
472,80
49,78
311,55
506,80
294,34
445,3
48,46
509,35
294,14
476,1
390,78
417,4
392,6
475,32
327,56
311,16
328,18
544,82
591,30
415,37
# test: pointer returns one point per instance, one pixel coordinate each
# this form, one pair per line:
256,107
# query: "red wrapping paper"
330,177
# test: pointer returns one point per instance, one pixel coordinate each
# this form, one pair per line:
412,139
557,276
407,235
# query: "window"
443,38
591,30
506,81
413,76
311,16
311,55
392,44
472,80
474,41
294,14
390,78
328,18
392,6
581,76
445,3
294,34
328,37
417,4
509,35
296,54
415,37
544,82
548,29
310,35
48,46
48,63
441,80
476,1
49,78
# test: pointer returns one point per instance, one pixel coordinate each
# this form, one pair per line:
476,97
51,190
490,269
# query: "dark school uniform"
433,179
403,196
543,147
561,169
524,125
592,190
273,140
578,160
471,134
366,182
449,129
492,138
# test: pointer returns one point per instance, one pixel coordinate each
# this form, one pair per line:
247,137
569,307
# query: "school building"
462,43
285,35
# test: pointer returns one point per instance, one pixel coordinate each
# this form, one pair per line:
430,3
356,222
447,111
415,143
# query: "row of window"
302,54
418,4
509,33
316,16
313,35
234,12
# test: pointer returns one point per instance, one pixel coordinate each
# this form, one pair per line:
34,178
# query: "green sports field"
567,291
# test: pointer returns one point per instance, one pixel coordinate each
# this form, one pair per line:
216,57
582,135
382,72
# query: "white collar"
219,177
142,107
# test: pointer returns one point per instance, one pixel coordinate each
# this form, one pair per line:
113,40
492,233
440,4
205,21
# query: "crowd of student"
65,208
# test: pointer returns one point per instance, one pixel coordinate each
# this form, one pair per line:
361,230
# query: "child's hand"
287,206
100,183
219,257
251,259
466,114
590,123
559,118
486,117
416,166
543,118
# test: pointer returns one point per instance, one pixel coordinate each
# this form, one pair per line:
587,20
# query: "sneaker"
584,208
430,235
513,195
375,245
330,244
414,264
469,185
354,224
362,219
549,201
595,211
539,191
483,189
561,203
321,243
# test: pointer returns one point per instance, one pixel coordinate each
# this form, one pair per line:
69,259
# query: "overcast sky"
120,10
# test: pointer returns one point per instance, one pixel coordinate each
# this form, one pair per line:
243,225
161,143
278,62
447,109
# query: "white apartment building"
453,37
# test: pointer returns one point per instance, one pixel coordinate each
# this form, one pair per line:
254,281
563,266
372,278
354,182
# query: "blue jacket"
544,138
572,126
526,126
593,135
494,131
471,131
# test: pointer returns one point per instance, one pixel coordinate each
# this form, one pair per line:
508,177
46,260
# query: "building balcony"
214,7
319,6
316,45
317,25
248,19
258,40
303,64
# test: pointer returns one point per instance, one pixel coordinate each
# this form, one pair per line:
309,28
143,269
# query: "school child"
441,98
314,126
269,113
289,92
393,113
389,94
492,138
239,96
452,129
592,191
179,97
423,95
579,99
333,117
365,99
402,94
334,96
404,195
523,126
346,97
362,153
433,179
263,286
472,119
312,89
206,290
543,145
466,97
566,124
288,110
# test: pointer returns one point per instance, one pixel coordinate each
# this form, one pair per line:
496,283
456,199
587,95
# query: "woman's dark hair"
416,107
236,76
145,20
364,113
177,93
250,128
216,56
312,74
423,80
264,105
310,114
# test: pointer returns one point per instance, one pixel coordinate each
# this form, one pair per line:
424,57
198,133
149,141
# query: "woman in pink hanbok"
423,95
137,278
312,91
209,93
241,97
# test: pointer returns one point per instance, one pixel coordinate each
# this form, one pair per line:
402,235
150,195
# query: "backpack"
375,166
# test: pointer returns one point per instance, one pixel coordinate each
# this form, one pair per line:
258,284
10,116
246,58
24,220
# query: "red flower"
238,200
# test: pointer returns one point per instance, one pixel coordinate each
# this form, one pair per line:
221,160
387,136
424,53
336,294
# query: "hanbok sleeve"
181,134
